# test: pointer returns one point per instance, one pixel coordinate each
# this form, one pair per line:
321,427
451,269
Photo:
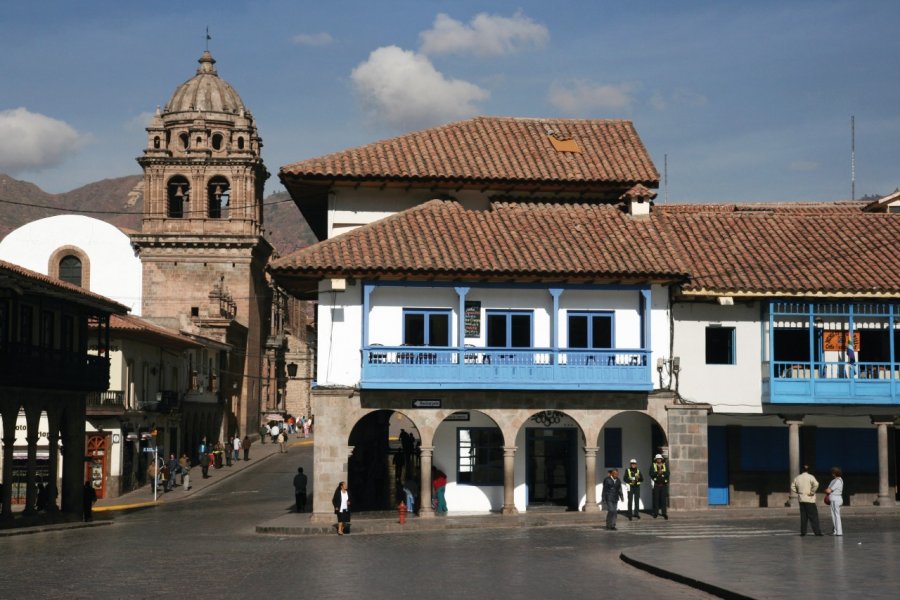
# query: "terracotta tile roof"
791,249
39,283
440,238
799,251
138,328
496,149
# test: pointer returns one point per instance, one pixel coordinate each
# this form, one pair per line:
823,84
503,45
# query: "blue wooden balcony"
403,367
834,383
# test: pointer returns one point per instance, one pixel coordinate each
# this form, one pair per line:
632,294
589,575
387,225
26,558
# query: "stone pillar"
73,456
590,479
425,508
10,412
884,495
793,455
509,481
333,409
53,412
32,420
688,456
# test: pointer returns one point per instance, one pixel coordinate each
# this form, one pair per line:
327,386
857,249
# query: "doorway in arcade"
551,472
384,458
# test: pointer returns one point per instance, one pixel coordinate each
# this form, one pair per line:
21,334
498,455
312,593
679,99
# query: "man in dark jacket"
88,497
300,489
610,496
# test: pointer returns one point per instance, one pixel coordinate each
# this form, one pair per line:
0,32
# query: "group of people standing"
611,493
805,486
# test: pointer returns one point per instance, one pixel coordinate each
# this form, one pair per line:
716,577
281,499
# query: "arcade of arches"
494,459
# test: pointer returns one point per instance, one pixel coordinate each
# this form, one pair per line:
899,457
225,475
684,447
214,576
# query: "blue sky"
751,101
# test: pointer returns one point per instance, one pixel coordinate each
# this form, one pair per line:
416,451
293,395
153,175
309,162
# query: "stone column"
33,420
10,412
793,455
590,479
509,481
884,496
53,448
73,455
688,456
425,509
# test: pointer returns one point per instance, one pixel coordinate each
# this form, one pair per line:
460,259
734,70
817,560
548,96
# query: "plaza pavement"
726,552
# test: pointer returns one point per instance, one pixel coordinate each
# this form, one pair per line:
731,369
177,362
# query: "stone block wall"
688,456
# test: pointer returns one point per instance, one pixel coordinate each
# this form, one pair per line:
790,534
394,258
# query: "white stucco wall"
115,272
733,388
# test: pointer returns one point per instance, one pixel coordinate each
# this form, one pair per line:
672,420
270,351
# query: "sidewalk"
388,522
143,497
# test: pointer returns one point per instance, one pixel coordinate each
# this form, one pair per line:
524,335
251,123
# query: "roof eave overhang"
708,294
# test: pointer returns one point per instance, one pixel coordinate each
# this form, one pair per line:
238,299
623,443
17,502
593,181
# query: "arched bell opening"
178,191
218,197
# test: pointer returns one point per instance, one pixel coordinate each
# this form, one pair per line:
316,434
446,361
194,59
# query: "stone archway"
378,453
631,435
550,465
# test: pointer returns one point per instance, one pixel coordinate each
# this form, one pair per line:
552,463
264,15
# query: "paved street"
207,547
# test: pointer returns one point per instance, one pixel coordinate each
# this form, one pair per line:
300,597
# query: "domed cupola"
205,92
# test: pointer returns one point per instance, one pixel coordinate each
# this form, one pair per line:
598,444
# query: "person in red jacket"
439,483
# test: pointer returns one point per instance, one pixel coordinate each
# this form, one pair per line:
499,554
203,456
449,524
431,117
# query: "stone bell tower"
201,243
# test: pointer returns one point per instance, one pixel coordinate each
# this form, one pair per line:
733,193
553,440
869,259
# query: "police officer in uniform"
659,475
633,478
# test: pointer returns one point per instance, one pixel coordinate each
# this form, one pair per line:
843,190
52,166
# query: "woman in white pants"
835,491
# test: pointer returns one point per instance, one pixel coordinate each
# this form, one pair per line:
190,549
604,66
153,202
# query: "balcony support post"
590,479
793,453
885,498
425,508
53,412
509,481
555,293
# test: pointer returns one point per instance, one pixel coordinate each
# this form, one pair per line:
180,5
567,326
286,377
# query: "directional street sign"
422,403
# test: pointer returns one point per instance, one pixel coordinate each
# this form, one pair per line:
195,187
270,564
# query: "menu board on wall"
472,319
836,341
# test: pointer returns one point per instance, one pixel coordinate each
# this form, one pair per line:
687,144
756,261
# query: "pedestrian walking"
245,445
439,484
341,503
306,425
805,486
610,495
633,479
228,449
184,464
263,432
659,476
835,496
89,496
300,481
281,440
236,444
204,465
172,468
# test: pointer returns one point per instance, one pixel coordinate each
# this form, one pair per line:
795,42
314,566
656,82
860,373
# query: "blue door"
718,466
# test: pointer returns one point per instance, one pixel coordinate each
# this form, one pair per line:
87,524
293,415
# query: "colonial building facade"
505,289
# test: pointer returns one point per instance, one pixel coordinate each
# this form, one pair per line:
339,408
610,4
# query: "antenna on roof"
665,178
852,157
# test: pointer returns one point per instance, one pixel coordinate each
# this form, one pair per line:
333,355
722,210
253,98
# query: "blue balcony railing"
835,383
402,367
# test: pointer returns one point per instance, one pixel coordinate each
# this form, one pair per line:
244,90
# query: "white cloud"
313,39
140,121
485,35
583,97
402,89
30,141
804,166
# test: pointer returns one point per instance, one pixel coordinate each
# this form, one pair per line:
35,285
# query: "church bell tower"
201,244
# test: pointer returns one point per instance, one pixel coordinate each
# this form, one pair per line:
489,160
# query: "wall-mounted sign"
458,416
423,403
472,319
834,340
